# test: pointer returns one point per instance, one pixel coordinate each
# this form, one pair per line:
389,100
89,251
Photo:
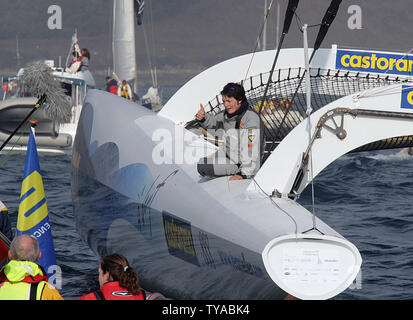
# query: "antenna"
309,127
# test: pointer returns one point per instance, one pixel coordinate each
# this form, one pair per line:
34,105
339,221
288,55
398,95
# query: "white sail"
123,44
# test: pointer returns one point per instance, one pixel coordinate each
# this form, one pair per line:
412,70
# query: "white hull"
174,227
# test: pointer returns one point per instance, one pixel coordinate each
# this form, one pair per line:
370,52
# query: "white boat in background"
124,52
51,136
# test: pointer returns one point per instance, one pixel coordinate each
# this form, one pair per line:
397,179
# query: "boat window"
13,87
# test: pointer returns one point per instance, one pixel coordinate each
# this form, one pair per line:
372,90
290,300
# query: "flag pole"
33,124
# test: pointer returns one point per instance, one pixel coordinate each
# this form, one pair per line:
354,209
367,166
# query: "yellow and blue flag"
33,218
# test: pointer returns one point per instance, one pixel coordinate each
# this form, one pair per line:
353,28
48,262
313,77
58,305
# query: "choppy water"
77,262
366,197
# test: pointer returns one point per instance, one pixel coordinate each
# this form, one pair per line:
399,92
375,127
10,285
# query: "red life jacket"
113,89
112,291
74,61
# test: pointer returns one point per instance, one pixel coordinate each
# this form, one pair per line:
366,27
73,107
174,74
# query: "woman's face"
103,277
231,104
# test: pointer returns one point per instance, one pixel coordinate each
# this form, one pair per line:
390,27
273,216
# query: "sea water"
368,198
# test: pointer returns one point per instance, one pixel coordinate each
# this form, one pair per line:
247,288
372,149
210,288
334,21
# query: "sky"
183,37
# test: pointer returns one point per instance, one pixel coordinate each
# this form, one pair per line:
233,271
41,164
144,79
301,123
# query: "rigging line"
109,54
148,52
113,35
382,89
258,39
153,42
308,112
328,18
298,21
378,91
276,205
300,24
6,156
291,8
405,55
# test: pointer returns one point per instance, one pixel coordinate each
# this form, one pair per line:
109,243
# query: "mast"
264,34
123,41
18,57
277,25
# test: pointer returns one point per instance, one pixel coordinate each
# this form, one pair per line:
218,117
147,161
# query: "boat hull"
170,254
190,237
117,209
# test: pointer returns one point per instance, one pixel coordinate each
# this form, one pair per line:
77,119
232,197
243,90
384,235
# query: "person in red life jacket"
111,85
117,280
22,278
76,63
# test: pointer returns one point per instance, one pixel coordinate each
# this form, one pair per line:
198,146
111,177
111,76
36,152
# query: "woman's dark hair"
86,53
118,267
234,90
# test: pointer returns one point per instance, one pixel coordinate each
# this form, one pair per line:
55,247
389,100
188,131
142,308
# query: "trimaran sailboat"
136,189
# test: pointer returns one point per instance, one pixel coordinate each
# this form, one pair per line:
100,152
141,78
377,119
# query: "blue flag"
33,218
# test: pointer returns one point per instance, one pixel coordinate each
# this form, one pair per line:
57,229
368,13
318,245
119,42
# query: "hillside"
188,35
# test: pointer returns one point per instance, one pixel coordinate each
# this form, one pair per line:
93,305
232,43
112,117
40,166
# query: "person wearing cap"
241,128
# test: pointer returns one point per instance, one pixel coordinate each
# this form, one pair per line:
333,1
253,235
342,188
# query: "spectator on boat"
84,58
22,278
241,127
5,226
124,90
117,280
111,85
74,66
6,233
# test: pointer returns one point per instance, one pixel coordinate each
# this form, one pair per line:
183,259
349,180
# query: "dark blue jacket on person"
5,226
